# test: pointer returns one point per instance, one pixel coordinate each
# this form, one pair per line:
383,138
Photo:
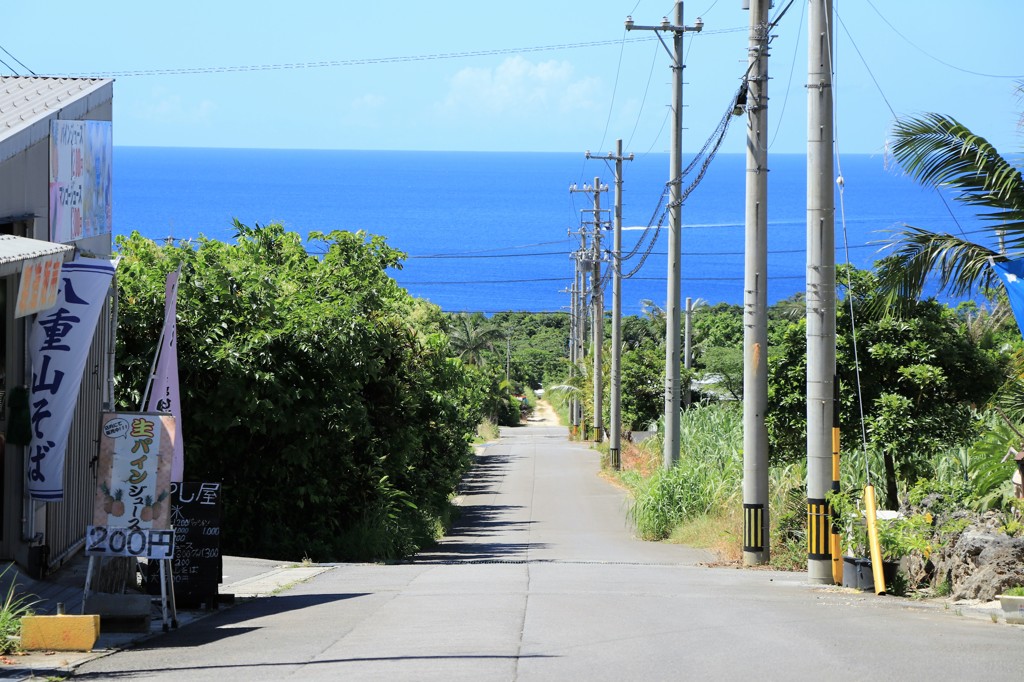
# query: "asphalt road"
542,580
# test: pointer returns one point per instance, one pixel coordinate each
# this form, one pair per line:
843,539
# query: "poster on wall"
81,161
37,289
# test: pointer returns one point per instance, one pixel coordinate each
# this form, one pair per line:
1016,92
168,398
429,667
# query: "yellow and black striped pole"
819,526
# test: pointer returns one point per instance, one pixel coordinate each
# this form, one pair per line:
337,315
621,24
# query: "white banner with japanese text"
134,471
59,347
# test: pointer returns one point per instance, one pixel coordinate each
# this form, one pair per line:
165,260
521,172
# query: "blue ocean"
494,231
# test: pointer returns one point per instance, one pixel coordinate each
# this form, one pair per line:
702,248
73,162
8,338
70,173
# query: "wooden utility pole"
615,383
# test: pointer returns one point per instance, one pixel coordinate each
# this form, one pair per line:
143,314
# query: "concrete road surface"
542,580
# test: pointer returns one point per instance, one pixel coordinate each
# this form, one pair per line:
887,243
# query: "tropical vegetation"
328,402
338,410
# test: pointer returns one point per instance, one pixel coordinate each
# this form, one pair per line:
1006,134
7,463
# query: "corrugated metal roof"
27,99
16,250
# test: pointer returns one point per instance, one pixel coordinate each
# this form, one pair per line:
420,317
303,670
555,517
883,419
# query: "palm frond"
962,266
938,150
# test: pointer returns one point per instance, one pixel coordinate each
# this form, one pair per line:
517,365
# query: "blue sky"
904,57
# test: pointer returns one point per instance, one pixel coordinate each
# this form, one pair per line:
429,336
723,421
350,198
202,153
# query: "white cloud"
521,88
367,103
164,107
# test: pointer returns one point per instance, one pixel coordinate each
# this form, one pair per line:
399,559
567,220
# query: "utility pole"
672,327
596,304
572,336
687,351
577,321
581,321
508,352
821,288
615,408
755,295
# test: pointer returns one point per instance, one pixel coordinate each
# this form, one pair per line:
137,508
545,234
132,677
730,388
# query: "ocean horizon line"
582,154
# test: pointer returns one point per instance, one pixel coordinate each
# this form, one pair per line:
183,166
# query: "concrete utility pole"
821,288
687,351
593,261
672,327
572,335
576,322
615,397
755,296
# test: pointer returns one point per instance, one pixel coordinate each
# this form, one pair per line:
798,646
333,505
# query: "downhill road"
541,579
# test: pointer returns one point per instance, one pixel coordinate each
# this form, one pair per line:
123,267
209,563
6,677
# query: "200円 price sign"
149,543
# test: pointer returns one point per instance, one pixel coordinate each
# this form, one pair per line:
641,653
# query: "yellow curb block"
60,633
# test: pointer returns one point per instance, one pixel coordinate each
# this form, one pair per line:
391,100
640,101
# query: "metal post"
615,383
755,297
672,327
821,285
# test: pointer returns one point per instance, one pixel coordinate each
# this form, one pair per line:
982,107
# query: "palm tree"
470,336
938,151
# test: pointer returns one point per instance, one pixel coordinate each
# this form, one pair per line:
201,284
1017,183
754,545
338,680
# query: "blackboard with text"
197,564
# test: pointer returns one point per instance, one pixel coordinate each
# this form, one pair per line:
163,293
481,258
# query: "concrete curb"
36,664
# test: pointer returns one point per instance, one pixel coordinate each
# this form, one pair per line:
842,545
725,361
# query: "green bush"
322,395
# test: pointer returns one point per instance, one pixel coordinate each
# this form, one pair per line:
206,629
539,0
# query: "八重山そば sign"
134,481
59,346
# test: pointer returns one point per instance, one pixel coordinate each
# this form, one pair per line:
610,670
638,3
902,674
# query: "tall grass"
699,501
12,608
707,478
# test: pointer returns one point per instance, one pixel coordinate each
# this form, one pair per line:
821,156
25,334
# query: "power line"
15,59
488,281
334,63
933,57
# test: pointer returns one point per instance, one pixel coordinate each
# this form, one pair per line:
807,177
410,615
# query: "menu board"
197,564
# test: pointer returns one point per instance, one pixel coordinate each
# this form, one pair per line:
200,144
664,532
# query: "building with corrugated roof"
45,219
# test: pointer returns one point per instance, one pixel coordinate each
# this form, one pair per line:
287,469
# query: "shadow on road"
319,662
473,537
229,623
487,471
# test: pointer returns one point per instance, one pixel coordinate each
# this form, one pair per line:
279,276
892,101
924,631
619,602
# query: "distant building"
39,220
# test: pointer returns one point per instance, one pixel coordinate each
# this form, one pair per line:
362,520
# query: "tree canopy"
324,397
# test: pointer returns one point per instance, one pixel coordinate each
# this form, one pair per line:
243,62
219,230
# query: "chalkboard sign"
197,563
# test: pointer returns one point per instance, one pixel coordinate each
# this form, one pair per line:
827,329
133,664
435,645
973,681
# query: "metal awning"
14,251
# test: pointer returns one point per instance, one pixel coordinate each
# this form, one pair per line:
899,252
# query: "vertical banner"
59,347
134,476
81,160
164,395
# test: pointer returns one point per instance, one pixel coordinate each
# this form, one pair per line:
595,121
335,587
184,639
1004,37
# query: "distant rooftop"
29,100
